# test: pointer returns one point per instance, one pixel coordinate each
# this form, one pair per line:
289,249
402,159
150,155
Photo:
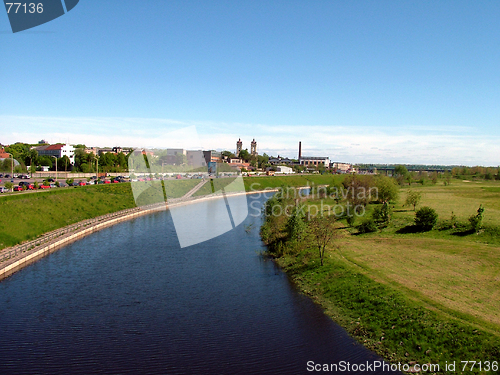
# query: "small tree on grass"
9,185
382,214
323,231
413,198
426,218
387,190
295,225
476,221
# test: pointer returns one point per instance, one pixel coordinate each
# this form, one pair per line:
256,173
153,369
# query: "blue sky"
359,81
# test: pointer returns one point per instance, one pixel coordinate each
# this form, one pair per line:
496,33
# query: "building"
253,148
3,154
196,158
280,161
239,147
341,167
58,150
212,156
315,161
91,150
113,150
283,170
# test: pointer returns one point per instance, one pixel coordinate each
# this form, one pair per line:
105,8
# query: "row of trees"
26,156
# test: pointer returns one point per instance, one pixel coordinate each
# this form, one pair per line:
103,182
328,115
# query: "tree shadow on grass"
463,233
412,229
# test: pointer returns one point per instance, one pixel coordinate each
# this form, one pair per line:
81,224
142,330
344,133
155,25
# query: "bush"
476,221
426,218
350,219
382,214
367,226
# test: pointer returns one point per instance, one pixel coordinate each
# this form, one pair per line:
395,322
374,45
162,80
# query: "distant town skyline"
413,145
359,82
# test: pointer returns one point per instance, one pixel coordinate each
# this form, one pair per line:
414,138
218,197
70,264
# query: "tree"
323,231
434,178
382,214
295,225
63,163
426,218
413,198
358,190
180,159
9,185
387,189
476,221
244,154
400,170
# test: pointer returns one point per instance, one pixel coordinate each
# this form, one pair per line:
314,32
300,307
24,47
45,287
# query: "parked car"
81,183
53,185
107,181
29,187
44,187
3,189
18,188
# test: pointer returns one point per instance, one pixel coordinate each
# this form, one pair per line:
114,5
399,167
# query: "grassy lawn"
454,270
26,216
260,183
410,295
460,278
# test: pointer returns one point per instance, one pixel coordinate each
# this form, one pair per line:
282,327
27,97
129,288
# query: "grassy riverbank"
410,295
26,216
386,319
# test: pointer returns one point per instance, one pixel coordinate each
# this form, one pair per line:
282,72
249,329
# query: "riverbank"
20,255
412,297
384,319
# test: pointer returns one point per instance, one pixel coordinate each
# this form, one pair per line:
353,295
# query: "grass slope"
26,216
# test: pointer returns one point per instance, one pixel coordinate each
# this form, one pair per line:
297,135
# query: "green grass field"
454,270
28,215
426,296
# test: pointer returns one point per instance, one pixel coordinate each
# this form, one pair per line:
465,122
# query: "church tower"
239,146
253,148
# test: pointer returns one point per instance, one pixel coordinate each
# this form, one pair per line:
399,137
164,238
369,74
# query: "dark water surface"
129,300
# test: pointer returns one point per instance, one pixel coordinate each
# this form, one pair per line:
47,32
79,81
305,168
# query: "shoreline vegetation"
414,294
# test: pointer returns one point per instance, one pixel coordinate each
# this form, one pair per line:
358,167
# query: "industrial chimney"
300,150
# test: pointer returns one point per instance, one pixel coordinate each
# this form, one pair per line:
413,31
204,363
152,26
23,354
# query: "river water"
130,300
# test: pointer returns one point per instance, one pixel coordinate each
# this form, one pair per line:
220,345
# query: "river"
130,300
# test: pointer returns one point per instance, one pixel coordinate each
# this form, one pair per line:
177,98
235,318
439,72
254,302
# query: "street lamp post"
11,165
56,165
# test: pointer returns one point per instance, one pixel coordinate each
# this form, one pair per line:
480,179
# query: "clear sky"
359,81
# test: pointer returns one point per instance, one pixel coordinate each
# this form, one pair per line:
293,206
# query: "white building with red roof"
58,150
